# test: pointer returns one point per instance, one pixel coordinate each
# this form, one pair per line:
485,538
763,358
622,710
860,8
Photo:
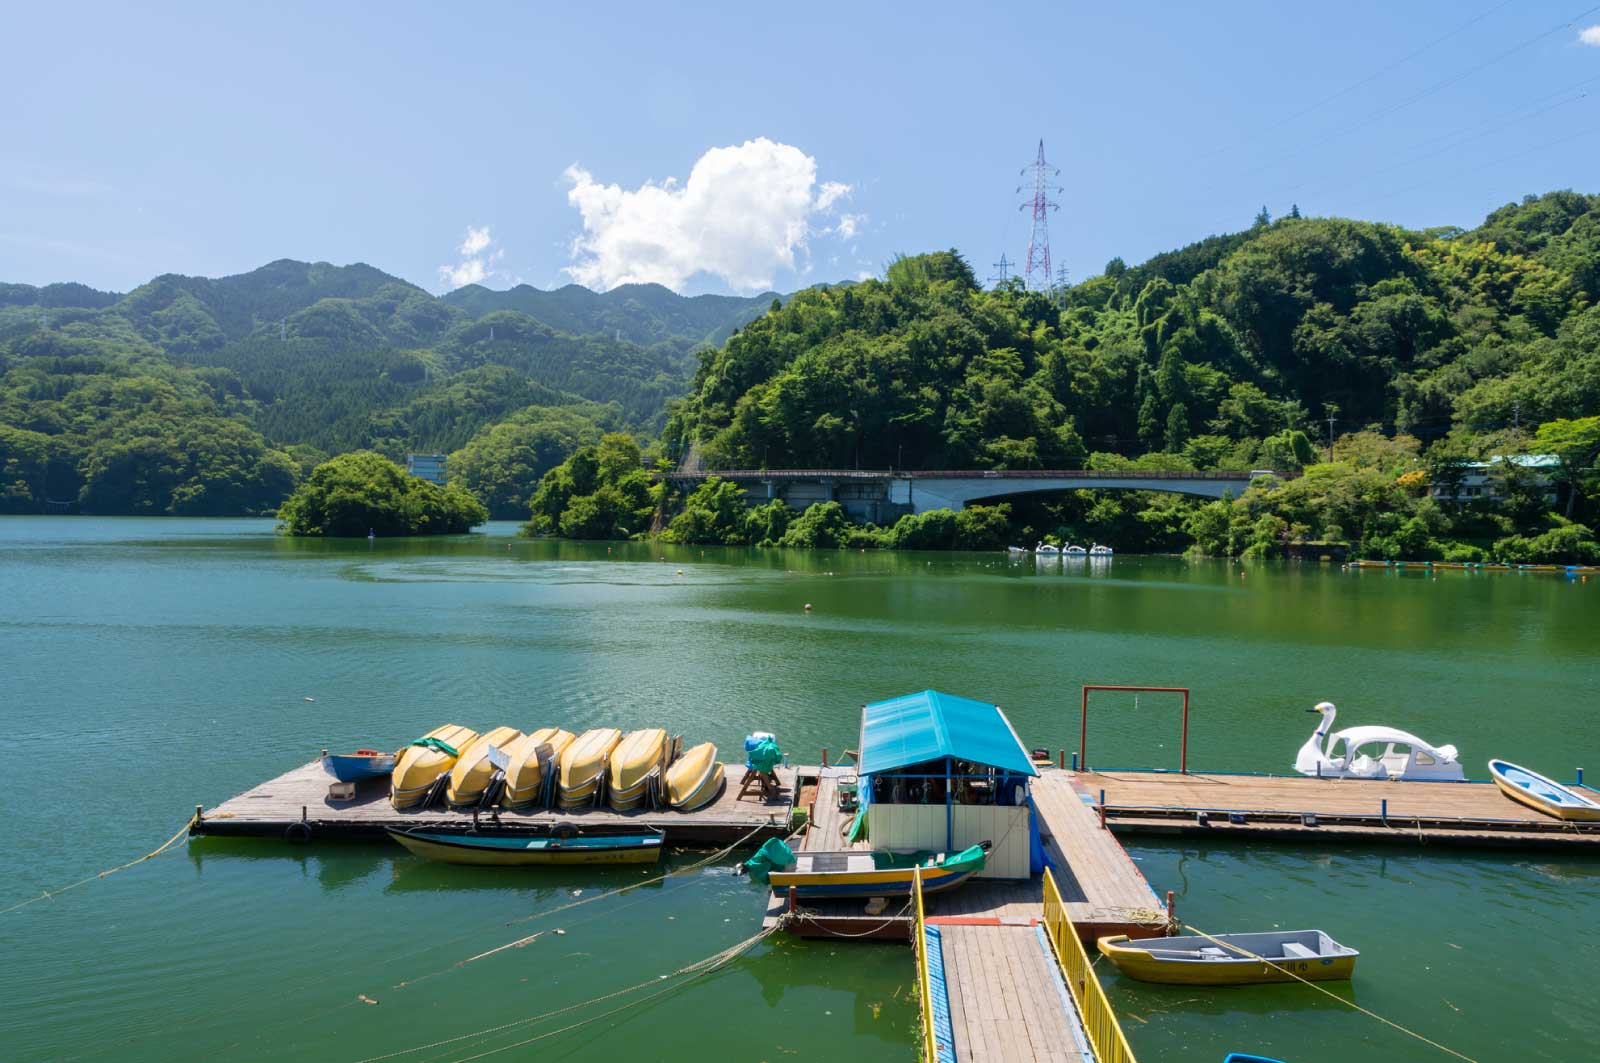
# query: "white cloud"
477,262
849,225
1590,35
742,215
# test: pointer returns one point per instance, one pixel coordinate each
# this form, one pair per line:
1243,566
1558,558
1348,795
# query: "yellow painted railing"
1100,1022
930,1050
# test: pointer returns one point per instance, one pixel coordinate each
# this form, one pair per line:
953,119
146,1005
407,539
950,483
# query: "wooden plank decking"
1006,997
301,796
1351,811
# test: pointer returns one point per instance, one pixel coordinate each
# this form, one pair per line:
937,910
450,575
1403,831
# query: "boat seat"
861,862
1211,952
1295,951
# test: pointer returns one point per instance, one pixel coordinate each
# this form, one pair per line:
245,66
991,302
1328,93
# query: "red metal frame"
1083,733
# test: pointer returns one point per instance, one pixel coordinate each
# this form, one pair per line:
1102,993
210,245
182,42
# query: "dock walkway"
1008,1002
1299,808
296,805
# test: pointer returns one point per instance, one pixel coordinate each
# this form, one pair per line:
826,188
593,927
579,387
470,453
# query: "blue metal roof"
929,725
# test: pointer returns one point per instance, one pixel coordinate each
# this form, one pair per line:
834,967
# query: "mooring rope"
48,894
688,973
530,938
1329,993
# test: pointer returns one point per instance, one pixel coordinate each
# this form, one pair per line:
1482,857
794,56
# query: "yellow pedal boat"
424,760
695,779
470,776
533,759
1232,959
583,766
635,765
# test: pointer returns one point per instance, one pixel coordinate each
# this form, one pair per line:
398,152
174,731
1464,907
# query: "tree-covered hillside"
1422,350
305,360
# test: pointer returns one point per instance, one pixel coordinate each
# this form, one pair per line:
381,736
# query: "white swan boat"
1075,551
1100,551
1373,753
1047,548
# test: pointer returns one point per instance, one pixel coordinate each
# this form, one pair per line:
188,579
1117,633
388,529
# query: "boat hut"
941,772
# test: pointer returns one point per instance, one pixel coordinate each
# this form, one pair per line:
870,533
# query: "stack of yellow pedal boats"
550,767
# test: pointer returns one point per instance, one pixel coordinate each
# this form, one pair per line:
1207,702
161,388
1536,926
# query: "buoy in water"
680,571
808,607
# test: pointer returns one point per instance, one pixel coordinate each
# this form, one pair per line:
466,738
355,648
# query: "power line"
1370,78
1439,86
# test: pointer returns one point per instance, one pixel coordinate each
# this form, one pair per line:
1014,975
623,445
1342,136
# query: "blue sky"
536,143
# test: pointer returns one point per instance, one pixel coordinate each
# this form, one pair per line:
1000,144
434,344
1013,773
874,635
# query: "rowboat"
362,764
695,778
1245,1057
583,766
530,761
423,761
1232,959
635,765
858,873
1546,795
519,850
470,776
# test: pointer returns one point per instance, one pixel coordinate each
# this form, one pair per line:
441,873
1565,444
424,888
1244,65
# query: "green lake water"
147,666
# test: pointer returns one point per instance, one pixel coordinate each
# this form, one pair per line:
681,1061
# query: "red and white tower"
1038,275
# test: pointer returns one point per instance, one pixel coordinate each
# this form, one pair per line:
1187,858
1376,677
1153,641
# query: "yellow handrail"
1099,1021
930,1050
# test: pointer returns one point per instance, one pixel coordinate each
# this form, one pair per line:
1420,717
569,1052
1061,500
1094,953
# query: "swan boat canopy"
1373,753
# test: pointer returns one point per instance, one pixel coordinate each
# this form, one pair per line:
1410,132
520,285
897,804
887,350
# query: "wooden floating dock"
296,806
1343,811
1102,888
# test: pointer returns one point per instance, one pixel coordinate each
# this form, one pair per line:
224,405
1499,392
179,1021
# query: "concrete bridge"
882,496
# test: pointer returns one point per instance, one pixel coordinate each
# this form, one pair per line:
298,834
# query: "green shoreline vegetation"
1429,351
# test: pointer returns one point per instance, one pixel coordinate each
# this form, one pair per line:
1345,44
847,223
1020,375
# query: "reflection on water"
153,665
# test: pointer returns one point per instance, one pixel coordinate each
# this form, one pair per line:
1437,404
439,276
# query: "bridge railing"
930,1045
968,474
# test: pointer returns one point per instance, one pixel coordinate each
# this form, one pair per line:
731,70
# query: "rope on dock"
1329,993
687,973
48,894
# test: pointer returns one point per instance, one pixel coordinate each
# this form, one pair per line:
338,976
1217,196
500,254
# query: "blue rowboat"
1242,1057
362,764
562,845
1528,787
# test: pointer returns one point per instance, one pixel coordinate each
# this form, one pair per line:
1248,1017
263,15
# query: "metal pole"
1083,731
1183,755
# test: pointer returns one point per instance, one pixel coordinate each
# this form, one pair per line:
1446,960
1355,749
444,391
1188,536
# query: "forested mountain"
303,360
1209,352
205,395
640,313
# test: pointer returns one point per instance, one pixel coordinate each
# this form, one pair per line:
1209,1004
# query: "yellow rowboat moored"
1232,959
1525,786
472,771
424,760
695,778
636,763
533,759
583,766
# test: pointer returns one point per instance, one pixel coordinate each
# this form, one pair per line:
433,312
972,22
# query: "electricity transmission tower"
1002,271
1037,275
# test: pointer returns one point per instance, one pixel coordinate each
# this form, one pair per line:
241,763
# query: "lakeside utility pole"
1332,413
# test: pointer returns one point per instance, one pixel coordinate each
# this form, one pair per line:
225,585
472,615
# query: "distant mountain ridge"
642,313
